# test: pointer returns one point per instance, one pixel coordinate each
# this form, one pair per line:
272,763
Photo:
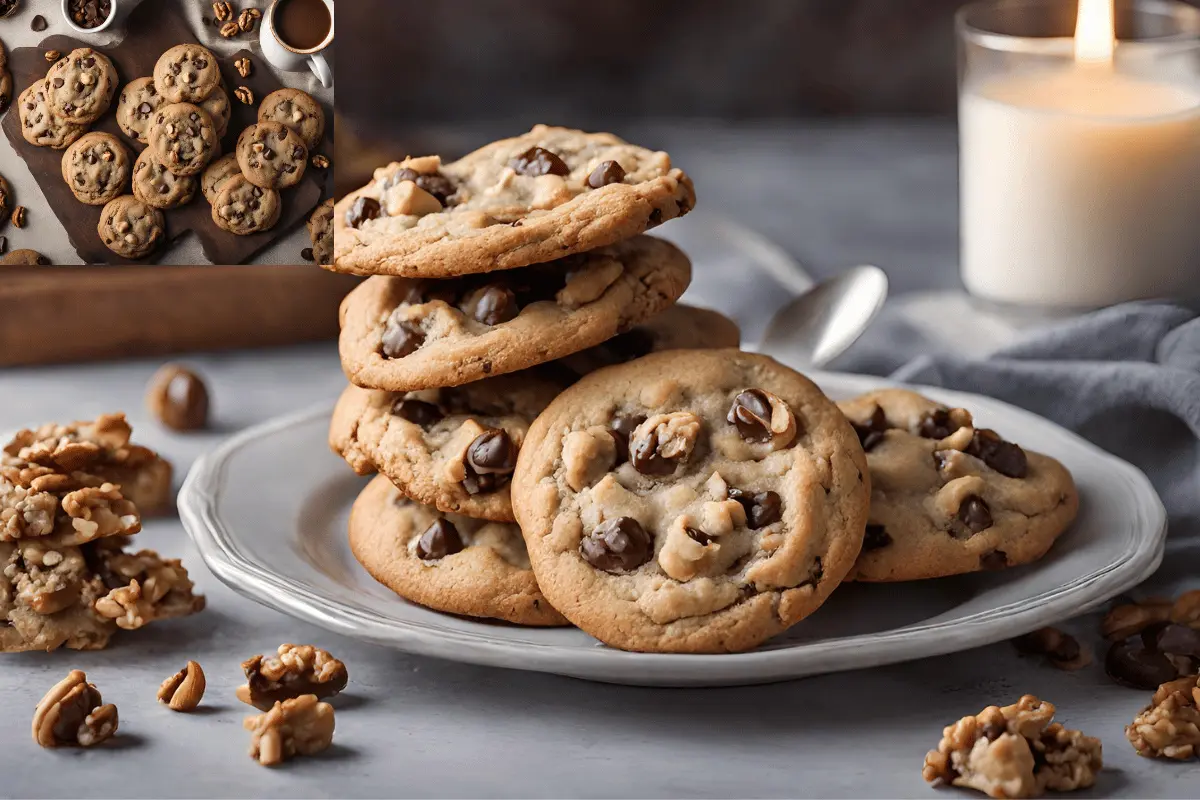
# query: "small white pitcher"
287,58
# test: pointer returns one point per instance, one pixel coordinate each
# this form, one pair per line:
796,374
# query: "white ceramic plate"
268,511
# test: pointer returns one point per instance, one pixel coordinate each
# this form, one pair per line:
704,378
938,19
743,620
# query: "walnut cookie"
948,498
691,501
297,110
157,186
183,138
444,561
96,168
40,127
402,335
452,448
136,106
80,87
131,228
186,73
272,155
546,194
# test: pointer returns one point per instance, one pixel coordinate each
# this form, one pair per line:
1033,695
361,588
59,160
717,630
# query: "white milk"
1079,188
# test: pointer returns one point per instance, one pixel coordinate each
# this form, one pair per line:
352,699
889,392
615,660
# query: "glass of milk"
1079,134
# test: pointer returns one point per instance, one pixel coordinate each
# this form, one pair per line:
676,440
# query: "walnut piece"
1129,619
72,713
146,587
1014,751
587,456
183,690
243,66
688,550
301,726
1186,609
295,670
663,440
1170,726
588,285
1061,649
408,199
223,11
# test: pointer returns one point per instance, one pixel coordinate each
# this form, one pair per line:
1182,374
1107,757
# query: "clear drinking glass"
1080,181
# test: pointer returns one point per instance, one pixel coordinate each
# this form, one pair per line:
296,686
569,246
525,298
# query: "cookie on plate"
691,501
80,86
298,110
216,174
187,73
243,208
446,562
320,233
39,126
452,448
131,228
183,138
401,334
949,498
157,186
136,106
546,194
271,155
96,167
24,258
217,106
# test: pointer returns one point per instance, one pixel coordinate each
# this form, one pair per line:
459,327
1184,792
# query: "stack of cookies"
557,442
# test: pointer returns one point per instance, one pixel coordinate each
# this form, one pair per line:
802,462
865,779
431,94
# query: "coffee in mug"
302,25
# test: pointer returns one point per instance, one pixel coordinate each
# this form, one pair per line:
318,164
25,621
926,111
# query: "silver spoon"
822,323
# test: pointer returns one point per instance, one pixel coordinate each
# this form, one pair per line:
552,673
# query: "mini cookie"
157,186
183,138
271,155
298,111
80,87
541,196
217,106
949,498
130,228
450,448
444,561
96,168
401,335
691,502
187,73
243,208
136,106
320,232
216,174
680,327
39,126
25,258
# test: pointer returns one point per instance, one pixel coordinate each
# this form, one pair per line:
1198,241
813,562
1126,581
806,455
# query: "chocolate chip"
306,253
644,456
417,412
400,176
539,161
975,514
751,413
630,345
1131,664
1173,639
871,433
490,459
492,305
401,338
439,540
698,536
621,429
606,172
1004,457
363,209
617,545
144,109
876,537
38,24
655,217
993,561
437,185
762,508
936,424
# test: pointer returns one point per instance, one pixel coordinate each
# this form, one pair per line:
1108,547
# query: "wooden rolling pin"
60,314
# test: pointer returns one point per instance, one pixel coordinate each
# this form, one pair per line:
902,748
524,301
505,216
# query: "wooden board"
63,314
153,28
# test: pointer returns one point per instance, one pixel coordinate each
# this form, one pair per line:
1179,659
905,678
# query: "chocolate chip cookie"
136,106
320,233
949,498
216,174
130,227
271,155
80,87
217,106
538,197
96,168
693,502
187,73
183,138
39,126
157,186
24,258
401,334
298,110
243,208
450,448
446,562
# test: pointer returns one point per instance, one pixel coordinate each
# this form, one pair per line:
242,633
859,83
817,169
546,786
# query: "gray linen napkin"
1127,378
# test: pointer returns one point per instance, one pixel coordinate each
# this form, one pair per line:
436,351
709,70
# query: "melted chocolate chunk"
492,305
539,161
617,545
362,210
417,412
872,433
644,456
875,538
490,460
698,536
401,339
993,561
439,540
437,185
936,425
606,172
975,514
762,508
1131,664
621,429
751,413
1004,457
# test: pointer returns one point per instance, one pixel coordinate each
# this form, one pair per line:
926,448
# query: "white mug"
287,58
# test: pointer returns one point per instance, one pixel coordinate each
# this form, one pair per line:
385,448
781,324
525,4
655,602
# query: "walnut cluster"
1170,726
294,670
73,714
302,726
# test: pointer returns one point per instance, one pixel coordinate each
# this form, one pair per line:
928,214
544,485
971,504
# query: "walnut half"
72,713
295,670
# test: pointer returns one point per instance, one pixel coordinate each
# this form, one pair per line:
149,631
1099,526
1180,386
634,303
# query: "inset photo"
166,131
